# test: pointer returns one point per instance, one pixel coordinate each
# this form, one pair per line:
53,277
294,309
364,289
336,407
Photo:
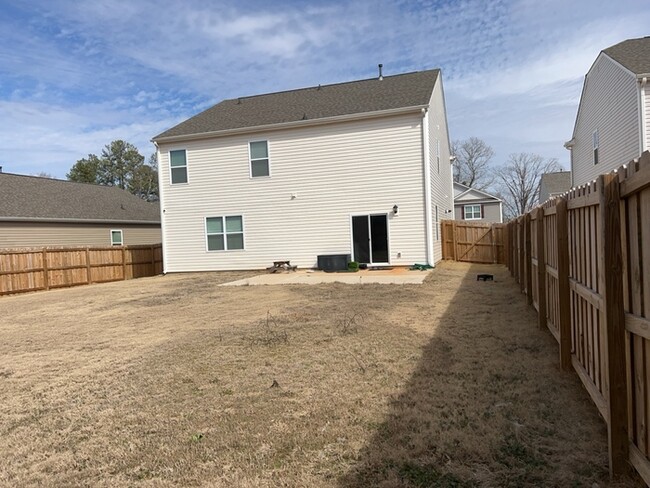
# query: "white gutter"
288,125
643,123
77,221
427,187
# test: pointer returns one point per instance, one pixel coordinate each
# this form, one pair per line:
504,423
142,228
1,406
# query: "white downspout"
642,113
427,187
162,209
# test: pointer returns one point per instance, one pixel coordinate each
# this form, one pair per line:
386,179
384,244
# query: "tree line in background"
516,182
120,164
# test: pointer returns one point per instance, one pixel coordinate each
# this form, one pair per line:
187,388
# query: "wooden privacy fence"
473,242
23,270
583,261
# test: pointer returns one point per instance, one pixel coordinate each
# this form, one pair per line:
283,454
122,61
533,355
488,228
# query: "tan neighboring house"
554,184
613,122
475,205
357,170
40,212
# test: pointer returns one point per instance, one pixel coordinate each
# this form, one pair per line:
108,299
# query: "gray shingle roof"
398,91
634,54
34,198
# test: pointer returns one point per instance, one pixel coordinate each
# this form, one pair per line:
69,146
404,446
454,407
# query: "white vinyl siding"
442,192
609,105
321,176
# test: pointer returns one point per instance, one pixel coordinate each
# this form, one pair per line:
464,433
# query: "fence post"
564,293
504,238
529,259
123,263
610,275
454,239
88,271
511,241
46,273
541,269
522,256
153,262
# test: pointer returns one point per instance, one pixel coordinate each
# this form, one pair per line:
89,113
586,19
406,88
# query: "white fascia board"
475,201
77,221
293,124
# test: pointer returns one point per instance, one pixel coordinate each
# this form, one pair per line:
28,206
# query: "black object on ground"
333,262
484,277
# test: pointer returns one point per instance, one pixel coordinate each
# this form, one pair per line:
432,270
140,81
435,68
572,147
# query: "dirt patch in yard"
175,381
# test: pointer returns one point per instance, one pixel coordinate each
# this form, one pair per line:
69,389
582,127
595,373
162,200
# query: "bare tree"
472,165
518,181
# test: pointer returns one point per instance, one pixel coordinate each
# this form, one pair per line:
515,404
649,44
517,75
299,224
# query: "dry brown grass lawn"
167,381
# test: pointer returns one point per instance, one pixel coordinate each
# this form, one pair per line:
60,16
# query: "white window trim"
438,154
121,237
250,159
224,233
187,171
472,205
595,142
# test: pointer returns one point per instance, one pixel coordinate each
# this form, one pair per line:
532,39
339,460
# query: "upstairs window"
472,212
116,238
259,157
178,166
224,233
596,145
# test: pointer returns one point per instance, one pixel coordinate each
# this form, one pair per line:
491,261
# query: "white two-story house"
613,122
359,168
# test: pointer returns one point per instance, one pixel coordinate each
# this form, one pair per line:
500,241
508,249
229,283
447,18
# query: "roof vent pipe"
381,76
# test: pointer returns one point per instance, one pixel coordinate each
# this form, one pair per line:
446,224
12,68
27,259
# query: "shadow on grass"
487,404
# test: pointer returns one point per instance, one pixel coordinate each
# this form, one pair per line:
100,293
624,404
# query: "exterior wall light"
395,209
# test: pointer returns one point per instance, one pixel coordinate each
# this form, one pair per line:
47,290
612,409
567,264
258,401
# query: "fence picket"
64,267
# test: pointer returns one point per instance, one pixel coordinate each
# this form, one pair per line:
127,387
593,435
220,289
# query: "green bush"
353,266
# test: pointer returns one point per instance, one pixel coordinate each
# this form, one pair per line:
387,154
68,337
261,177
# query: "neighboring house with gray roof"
554,184
613,122
475,205
359,168
45,212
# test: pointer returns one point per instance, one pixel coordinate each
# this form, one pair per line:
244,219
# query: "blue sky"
76,75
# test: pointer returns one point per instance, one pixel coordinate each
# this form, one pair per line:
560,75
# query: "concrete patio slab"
396,276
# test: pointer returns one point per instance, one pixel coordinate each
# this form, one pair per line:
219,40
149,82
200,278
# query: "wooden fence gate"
473,242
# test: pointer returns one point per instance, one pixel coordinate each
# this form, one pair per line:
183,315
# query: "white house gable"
610,127
346,185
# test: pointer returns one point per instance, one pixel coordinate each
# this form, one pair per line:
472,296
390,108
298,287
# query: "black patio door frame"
370,243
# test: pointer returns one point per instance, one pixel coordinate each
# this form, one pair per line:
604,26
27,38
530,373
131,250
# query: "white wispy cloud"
74,75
